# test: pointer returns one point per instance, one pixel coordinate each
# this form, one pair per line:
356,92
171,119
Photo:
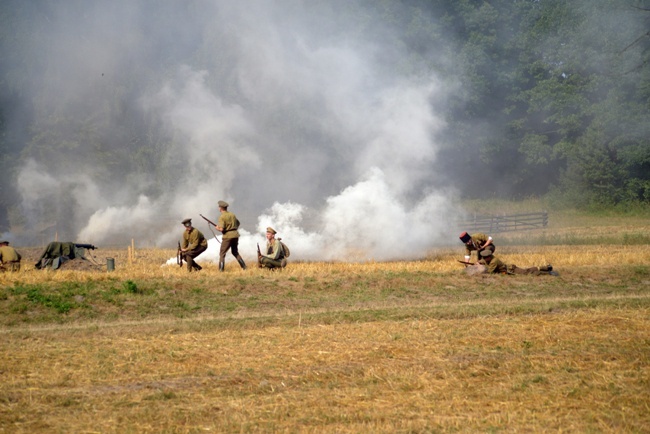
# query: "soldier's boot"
221,265
197,267
189,264
242,264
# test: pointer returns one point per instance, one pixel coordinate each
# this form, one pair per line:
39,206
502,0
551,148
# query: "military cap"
485,253
187,222
464,237
271,230
4,242
222,204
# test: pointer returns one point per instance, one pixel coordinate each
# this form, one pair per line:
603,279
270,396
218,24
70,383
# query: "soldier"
9,257
495,265
194,243
275,255
476,242
228,225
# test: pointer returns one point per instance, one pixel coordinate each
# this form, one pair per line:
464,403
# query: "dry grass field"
393,347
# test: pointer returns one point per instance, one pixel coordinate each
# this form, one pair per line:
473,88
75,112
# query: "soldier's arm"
220,224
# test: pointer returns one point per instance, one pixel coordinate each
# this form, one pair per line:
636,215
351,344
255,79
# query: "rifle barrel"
208,220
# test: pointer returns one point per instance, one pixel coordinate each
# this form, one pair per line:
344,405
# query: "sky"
285,109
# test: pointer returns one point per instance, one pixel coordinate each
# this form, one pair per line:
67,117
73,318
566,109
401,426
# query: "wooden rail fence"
505,223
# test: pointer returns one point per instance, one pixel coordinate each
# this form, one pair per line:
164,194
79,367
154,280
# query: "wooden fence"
505,223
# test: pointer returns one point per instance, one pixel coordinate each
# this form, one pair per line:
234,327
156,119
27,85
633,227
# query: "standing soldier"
194,243
476,242
9,257
228,225
275,255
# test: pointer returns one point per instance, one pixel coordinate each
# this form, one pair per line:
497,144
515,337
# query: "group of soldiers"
275,254
194,243
484,247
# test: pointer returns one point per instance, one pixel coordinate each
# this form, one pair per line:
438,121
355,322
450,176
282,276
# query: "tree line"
549,97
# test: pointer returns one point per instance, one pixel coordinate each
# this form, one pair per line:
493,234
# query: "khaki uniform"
230,240
478,239
195,243
9,259
274,255
228,221
495,265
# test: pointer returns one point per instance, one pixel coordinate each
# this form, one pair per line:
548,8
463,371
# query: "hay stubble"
326,347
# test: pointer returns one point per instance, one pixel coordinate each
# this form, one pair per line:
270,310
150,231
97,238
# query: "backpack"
285,249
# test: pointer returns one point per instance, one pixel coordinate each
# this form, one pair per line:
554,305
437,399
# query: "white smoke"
366,221
305,132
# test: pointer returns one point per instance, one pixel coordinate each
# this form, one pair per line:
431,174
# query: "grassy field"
389,347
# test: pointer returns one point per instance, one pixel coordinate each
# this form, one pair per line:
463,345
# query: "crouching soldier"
495,265
194,243
275,256
477,242
9,257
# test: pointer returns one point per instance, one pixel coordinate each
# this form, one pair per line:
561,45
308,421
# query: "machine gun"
86,246
179,255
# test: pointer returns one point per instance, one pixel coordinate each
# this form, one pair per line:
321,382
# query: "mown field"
402,347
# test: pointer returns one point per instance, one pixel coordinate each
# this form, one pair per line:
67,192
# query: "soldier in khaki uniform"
476,242
495,265
228,225
275,255
9,257
194,243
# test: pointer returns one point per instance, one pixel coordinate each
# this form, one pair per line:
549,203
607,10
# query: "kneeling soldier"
9,257
275,255
194,243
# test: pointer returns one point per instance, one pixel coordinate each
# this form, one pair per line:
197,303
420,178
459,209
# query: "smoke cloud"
279,108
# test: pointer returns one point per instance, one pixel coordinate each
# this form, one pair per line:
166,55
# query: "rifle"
466,263
209,227
208,220
179,255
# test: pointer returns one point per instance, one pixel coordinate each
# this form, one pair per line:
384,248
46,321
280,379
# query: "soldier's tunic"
230,240
478,239
494,266
274,255
195,243
9,258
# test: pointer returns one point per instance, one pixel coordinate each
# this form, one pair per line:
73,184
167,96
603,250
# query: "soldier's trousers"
231,244
10,266
272,263
191,254
536,271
